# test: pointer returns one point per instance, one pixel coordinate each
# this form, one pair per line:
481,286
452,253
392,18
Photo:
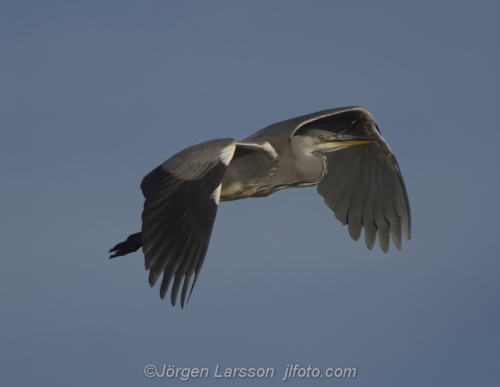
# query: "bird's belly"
236,191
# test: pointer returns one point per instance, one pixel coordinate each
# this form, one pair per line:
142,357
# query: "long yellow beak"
347,140
359,142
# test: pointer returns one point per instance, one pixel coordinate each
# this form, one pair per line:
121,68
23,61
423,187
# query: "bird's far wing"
364,186
290,127
181,199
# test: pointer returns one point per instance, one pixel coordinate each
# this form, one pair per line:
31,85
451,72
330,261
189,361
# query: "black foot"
132,244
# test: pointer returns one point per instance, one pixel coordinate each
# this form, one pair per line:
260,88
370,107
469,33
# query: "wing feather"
378,210
331,193
364,186
355,209
342,206
181,198
367,210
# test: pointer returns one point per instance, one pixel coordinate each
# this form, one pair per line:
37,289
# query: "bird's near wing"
182,196
364,186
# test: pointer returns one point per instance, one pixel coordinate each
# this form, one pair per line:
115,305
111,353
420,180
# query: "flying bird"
339,150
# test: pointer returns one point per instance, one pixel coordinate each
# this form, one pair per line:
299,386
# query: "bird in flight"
339,150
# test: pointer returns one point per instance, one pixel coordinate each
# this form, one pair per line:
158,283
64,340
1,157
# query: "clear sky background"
95,94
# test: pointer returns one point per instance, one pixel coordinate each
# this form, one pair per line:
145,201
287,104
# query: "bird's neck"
306,164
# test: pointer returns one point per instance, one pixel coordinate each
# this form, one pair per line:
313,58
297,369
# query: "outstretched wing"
364,186
182,196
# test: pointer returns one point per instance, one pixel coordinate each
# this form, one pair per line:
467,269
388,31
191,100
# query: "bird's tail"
133,243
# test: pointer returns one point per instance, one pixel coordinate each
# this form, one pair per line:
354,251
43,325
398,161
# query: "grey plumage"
340,150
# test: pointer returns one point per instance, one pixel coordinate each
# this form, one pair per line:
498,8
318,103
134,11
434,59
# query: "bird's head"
318,140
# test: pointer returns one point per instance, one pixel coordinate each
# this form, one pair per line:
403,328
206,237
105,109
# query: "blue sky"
94,95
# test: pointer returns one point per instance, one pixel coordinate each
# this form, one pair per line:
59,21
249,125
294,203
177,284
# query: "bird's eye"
322,138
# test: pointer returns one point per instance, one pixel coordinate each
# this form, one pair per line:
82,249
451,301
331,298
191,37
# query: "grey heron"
339,150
